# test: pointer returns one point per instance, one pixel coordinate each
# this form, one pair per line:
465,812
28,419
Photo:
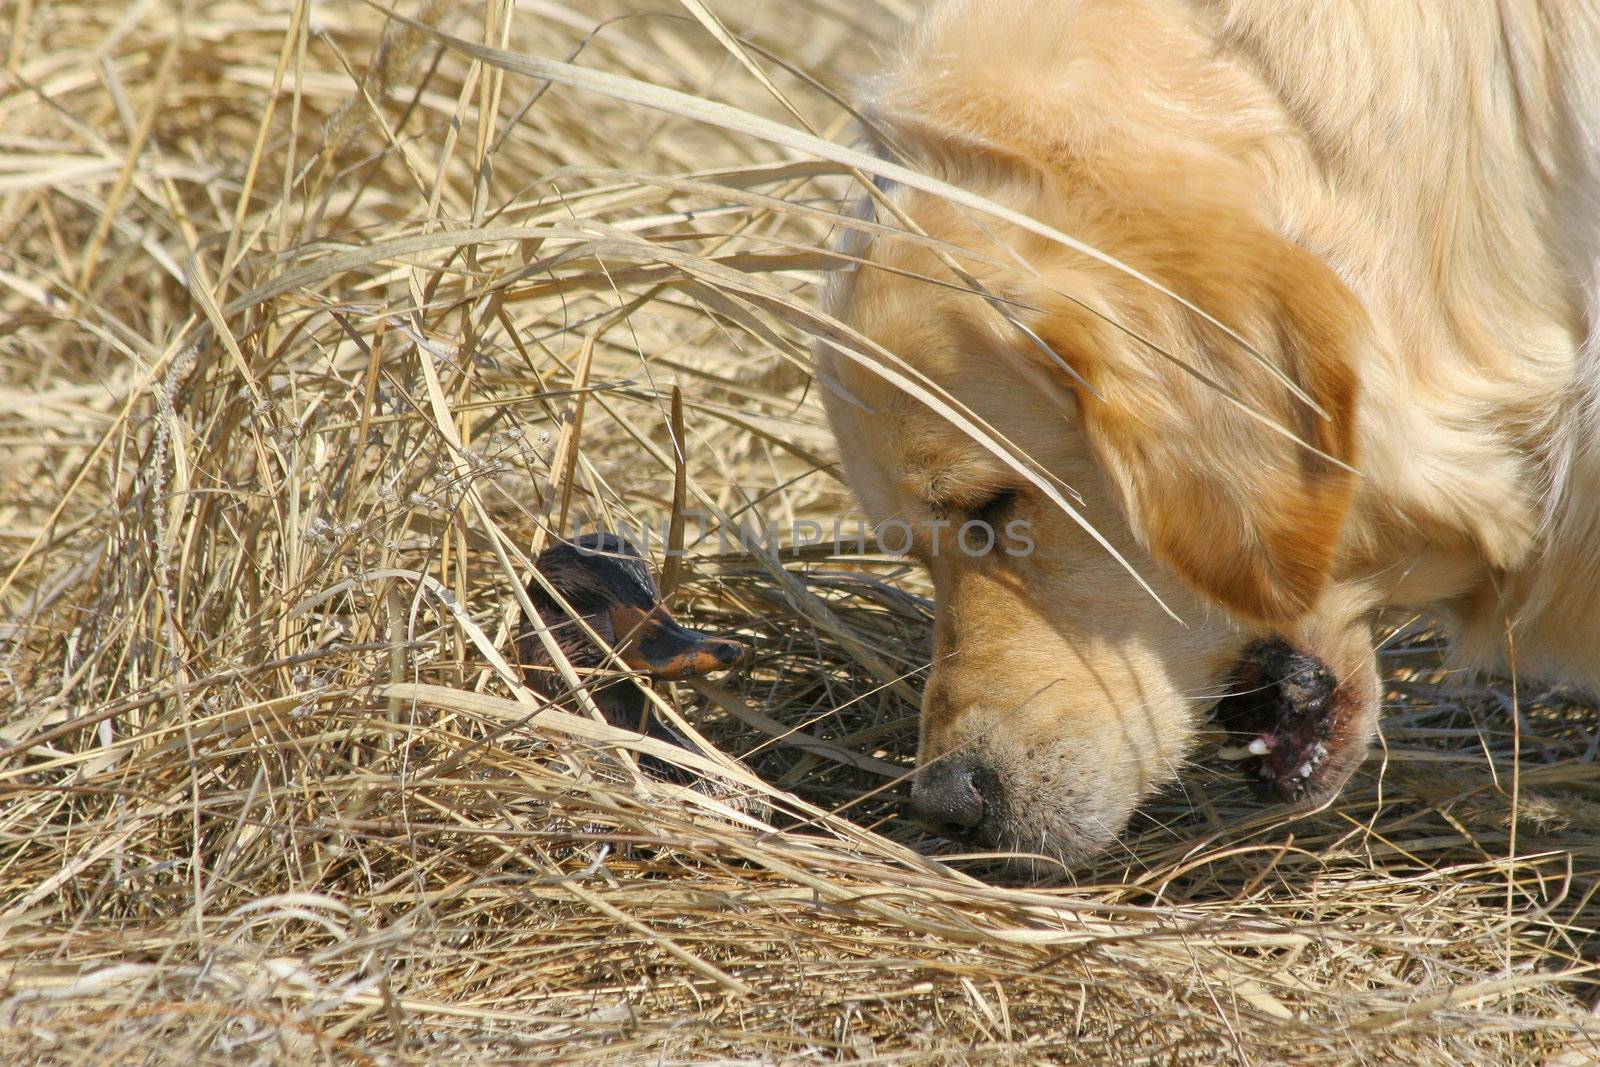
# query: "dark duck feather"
607,582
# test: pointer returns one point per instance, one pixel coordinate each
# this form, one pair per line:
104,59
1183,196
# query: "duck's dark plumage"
593,571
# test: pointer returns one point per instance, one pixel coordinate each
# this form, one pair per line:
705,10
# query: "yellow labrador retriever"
1389,214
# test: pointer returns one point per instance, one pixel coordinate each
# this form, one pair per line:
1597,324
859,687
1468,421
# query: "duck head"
607,582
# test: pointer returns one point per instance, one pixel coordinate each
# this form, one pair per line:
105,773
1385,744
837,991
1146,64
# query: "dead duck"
609,584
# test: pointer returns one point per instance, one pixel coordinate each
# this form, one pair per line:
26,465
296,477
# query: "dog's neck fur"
1489,318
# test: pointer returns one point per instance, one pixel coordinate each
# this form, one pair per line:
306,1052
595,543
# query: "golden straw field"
315,326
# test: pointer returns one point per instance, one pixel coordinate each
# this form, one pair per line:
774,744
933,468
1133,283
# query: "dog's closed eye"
993,510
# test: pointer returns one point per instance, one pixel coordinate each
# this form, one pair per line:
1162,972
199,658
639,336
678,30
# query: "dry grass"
307,341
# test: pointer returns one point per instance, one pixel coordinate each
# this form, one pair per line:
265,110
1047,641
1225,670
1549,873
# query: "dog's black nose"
951,796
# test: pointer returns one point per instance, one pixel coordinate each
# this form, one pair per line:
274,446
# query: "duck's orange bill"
657,644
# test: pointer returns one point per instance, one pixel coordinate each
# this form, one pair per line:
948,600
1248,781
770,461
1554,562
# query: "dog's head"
1061,691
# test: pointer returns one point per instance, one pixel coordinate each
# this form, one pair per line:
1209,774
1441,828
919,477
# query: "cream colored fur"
1397,203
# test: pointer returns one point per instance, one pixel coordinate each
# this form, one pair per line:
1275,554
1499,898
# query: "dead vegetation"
313,328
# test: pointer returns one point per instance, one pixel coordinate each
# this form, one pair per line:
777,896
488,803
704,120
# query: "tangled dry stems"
313,329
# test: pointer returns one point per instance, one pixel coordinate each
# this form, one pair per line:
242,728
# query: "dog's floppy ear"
1247,515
